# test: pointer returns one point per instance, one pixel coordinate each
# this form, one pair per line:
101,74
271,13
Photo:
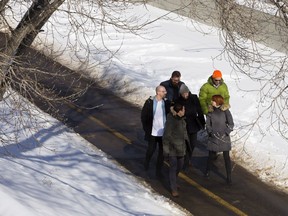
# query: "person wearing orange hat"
215,85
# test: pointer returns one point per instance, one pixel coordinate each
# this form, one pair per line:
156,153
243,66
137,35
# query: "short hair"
159,87
177,107
218,99
175,74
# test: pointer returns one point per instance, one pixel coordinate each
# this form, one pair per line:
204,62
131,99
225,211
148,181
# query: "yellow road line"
212,195
181,175
99,122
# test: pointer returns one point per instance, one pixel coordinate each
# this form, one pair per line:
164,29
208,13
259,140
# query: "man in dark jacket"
172,86
153,118
195,120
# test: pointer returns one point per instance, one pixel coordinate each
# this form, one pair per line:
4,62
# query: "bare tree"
21,69
244,29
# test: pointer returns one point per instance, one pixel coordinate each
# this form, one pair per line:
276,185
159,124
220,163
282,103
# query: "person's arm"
202,99
226,95
230,122
167,135
200,115
144,115
209,124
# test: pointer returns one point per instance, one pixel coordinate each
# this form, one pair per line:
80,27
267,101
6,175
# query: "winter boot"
175,193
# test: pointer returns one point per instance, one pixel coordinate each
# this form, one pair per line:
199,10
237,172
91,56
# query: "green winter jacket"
208,90
175,136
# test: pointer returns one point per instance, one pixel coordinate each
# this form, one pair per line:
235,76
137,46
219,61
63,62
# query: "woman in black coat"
194,118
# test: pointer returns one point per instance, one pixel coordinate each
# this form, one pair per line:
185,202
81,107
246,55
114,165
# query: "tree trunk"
31,23
25,33
2,5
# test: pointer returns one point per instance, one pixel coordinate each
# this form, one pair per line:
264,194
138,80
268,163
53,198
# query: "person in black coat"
194,118
172,86
153,118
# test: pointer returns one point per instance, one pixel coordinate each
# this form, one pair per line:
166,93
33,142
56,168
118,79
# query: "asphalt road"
113,125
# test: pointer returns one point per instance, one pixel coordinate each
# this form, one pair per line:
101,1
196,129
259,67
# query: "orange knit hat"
217,74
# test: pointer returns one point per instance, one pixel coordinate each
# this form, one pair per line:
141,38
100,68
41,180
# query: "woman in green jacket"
174,144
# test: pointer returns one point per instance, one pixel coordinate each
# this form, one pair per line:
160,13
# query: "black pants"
190,149
226,160
152,145
176,164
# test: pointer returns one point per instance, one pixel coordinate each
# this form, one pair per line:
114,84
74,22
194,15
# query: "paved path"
114,127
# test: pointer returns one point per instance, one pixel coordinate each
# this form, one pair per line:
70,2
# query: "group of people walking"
172,118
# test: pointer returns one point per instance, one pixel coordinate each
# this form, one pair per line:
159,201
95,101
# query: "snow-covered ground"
69,175
178,43
51,170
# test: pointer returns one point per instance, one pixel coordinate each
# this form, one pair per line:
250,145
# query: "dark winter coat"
172,91
219,124
195,120
175,136
147,116
208,90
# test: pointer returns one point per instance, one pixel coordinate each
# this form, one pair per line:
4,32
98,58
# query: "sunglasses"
217,80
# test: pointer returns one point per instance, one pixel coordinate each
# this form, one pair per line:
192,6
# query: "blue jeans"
176,164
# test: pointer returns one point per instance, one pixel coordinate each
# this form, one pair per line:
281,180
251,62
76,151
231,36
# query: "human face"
213,103
185,95
217,81
175,81
161,92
